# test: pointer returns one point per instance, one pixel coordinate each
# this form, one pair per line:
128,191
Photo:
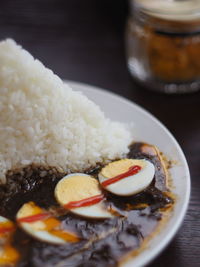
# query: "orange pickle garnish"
53,226
6,227
66,235
8,254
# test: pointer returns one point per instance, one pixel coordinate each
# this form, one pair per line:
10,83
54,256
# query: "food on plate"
42,225
76,188
9,256
127,177
44,122
82,195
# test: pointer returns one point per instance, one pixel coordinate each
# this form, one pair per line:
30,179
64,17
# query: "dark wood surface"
83,40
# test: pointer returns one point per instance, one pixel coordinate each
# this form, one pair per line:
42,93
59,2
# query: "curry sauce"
103,242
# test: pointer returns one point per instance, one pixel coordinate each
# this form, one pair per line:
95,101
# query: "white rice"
43,121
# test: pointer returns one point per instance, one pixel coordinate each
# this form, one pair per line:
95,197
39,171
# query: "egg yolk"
75,188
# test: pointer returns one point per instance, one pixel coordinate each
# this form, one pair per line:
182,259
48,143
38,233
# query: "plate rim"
163,244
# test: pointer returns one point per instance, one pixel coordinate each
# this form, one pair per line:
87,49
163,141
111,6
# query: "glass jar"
163,44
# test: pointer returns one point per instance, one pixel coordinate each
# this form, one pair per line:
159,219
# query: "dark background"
83,40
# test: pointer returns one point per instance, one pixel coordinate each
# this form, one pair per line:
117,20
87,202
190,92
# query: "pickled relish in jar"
163,44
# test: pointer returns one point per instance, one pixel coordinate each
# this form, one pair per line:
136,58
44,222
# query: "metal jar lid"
176,10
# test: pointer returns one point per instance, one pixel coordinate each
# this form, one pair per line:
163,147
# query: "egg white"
3,219
96,211
44,236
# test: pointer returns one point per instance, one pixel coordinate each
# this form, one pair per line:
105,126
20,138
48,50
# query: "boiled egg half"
80,194
8,254
127,177
43,226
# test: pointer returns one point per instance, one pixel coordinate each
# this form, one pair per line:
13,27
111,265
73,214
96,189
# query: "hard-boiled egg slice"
81,194
8,254
118,178
42,225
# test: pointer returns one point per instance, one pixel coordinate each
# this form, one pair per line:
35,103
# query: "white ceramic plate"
150,130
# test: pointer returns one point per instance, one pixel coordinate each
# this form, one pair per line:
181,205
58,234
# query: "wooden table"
84,41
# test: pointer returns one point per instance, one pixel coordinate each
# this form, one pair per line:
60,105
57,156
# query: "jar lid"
176,10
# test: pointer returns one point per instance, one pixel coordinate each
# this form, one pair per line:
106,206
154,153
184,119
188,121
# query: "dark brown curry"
103,242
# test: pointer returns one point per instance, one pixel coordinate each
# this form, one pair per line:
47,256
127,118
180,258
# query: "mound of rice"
43,121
